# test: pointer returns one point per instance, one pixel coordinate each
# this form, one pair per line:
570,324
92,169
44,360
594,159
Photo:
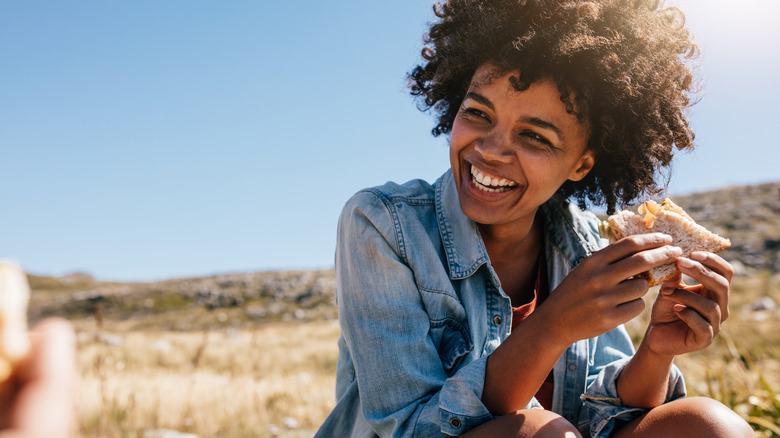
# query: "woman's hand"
687,318
597,296
602,291
38,400
684,319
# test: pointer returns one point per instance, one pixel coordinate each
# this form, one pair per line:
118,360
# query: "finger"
703,331
633,244
714,262
716,285
52,351
626,300
47,382
645,260
630,290
630,310
707,308
673,283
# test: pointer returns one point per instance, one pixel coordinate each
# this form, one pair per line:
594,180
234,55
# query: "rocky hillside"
748,215
188,303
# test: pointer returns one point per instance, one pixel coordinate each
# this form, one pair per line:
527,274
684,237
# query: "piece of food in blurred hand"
14,296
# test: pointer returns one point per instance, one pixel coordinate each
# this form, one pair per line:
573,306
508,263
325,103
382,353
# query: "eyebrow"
530,120
544,124
481,99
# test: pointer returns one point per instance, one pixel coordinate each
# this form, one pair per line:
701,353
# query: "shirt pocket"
449,330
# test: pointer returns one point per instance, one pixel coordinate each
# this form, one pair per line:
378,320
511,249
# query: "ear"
583,166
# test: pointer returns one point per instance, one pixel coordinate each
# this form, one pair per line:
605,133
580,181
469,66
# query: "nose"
494,146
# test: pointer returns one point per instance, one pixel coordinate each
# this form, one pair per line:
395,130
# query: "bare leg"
527,423
688,418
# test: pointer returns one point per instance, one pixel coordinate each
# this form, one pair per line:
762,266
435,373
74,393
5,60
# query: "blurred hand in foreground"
38,400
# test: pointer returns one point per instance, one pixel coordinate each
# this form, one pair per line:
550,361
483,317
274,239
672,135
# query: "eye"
472,113
537,138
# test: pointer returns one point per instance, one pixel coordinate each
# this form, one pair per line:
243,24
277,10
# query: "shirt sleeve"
601,400
403,386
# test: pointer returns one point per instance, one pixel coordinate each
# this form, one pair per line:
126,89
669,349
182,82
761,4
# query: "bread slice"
668,218
14,296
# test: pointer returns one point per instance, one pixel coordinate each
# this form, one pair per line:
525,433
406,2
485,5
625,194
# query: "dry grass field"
278,379
273,381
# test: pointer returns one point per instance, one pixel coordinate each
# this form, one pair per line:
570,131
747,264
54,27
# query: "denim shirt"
421,309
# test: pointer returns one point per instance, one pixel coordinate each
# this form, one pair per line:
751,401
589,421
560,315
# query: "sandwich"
668,218
14,295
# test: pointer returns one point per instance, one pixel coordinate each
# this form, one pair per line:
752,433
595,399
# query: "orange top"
519,314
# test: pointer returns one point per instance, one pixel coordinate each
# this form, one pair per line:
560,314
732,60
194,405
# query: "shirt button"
497,320
455,422
572,367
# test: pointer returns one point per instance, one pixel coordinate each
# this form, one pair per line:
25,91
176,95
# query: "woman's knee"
687,417
715,418
536,423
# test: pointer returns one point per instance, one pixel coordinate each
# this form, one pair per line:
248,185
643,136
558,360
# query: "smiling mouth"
489,183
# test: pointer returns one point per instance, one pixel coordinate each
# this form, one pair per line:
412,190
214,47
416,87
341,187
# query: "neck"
513,253
512,242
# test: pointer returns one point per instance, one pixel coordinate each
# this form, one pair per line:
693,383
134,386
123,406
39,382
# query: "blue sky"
145,140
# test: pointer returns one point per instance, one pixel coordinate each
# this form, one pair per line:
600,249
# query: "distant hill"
748,215
188,303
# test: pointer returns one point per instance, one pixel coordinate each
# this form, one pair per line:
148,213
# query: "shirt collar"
463,245
573,233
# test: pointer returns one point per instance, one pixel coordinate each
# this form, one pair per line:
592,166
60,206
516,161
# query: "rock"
109,339
161,345
290,422
739,268
763,303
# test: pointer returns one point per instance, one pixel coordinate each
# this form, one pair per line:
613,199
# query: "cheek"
453,151
456,137
458,142
544,172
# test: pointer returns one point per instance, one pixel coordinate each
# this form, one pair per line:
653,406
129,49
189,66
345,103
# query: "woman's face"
510,151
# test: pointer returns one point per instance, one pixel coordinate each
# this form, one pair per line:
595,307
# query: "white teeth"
491,184
477,175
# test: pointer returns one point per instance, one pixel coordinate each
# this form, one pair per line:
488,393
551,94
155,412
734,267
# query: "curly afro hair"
624,63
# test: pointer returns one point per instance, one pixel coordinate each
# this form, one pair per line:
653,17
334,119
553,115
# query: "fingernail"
684,262
698,255
679,307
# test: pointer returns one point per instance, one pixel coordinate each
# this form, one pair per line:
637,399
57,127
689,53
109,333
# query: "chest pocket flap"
449,329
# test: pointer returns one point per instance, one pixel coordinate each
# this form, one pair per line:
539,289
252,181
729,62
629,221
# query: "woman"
486,304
